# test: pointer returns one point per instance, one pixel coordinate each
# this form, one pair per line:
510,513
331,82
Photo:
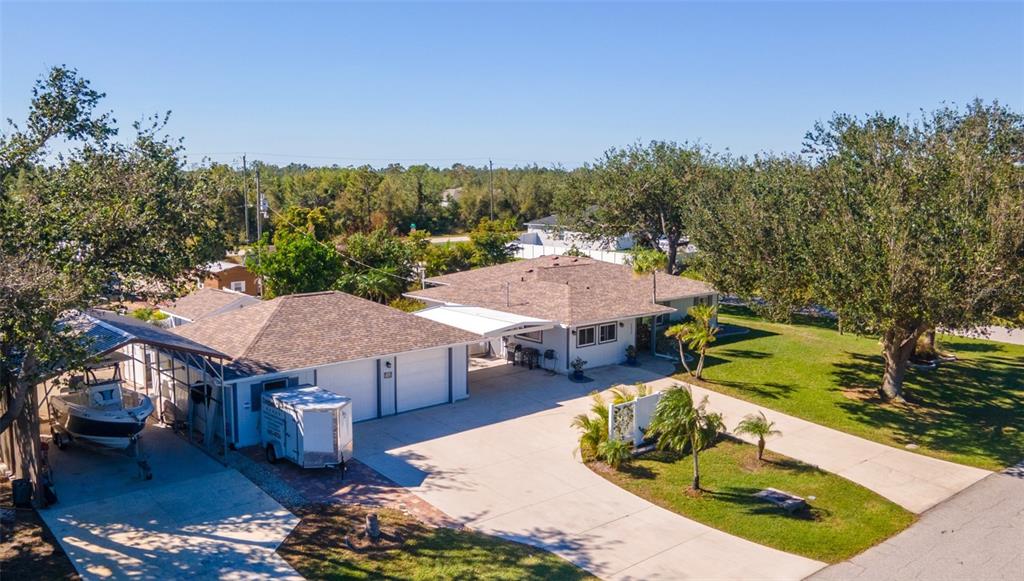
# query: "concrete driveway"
504,463
195,519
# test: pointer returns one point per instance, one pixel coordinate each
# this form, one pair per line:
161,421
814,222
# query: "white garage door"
422,379
355,379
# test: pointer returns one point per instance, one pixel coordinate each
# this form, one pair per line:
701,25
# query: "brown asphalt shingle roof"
570,290
206,301
306,330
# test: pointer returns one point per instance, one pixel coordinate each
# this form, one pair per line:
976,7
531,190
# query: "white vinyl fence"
527,251
627,421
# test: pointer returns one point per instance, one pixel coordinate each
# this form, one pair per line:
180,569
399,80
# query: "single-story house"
595,309
204,302
230,276
547,232
387,361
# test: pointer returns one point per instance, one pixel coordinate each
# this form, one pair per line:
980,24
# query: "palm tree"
697,334
678,424
594,428
758,425
681,333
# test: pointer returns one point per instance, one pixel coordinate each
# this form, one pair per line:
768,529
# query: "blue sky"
328,83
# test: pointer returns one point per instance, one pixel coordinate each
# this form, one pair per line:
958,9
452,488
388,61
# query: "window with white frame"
533,336
586,336
238,286
607,333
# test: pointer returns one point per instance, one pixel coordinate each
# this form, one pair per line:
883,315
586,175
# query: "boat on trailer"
102,413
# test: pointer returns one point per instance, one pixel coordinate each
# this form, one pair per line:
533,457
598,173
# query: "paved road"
1000,334
503,463
914,481
976,535
196,519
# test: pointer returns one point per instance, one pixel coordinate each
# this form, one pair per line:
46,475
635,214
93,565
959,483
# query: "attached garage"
387,361
421,379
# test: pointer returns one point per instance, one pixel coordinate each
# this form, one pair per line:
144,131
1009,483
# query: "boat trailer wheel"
58,439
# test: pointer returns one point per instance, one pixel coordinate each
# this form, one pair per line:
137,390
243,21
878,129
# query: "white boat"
102,413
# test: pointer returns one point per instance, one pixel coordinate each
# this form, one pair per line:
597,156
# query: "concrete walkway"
195,519
1000,334
503,463
914,481
978,534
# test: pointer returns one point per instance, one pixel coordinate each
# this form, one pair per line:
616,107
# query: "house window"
586,336
661,320
607,333
238,286
276,384
534,336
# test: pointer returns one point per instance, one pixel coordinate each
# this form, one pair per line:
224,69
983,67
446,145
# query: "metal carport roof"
484,322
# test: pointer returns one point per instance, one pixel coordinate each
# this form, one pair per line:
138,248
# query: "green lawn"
844,518
316,548
969,411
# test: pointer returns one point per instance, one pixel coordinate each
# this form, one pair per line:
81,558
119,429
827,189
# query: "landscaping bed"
843,518
966,411
328,544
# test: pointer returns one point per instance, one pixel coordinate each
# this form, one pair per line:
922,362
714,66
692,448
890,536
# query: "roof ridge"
263,328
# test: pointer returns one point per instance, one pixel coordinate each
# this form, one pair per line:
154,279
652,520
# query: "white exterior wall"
602,354
683,305
460,372
552,339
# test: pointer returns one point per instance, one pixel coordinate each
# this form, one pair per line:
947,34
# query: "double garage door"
419,379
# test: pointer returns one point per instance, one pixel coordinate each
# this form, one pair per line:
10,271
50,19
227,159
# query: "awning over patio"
487,323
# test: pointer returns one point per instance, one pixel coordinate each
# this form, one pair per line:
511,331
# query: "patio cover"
487,323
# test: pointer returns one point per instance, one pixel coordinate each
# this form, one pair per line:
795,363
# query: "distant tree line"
395,198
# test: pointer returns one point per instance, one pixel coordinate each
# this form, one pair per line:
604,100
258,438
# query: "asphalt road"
977,535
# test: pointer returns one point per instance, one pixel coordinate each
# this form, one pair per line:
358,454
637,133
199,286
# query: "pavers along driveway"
503,462
196,519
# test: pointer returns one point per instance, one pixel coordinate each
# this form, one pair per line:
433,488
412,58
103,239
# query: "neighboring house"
451,195
597,308
230,276
204,302
547,232
386,360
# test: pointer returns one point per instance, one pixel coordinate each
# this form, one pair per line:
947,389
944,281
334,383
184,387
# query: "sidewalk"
914,481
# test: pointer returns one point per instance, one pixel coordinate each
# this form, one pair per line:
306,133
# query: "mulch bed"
28,550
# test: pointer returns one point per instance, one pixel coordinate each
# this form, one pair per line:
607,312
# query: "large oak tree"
79,228
898,226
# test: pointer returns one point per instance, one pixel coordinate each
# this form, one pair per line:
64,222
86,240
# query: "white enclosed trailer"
307,425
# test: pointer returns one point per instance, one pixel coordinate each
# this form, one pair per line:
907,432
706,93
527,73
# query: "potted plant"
631,355
577,367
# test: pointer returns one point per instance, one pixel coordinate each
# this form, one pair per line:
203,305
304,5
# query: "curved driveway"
503,463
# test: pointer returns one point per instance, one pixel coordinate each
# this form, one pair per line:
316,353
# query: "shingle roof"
207,301
306,330
545,221
570,290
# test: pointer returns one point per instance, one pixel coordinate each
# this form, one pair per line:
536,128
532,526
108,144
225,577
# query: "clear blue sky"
544,83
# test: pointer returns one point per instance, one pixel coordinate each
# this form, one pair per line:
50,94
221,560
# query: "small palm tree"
615,452
681,333
757,425
593,428
697,334
678,424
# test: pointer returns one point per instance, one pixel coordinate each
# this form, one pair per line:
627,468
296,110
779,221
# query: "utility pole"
245,198
490,180
259,204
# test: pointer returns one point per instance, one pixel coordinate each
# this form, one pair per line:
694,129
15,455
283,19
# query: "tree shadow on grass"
768,389
743,496
971,406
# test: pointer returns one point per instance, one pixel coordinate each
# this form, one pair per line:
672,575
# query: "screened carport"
182,377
